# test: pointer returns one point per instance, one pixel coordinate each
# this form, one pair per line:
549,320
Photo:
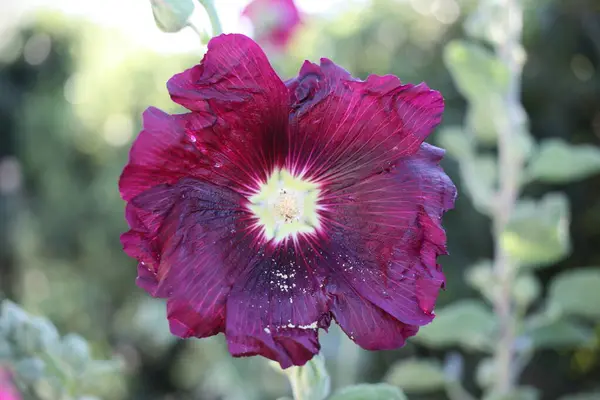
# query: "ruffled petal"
164,152
235,136
385,235
366,324
187,253
277,306
236,85
344,129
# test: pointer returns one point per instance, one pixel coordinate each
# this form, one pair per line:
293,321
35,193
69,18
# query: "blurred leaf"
477,72
30,369
559,334
5,349
172,15
417,375
489,21
480,276
479,175
520,393
576,292
478,172
76,352
379,391
456,142
537,234
483,116
46,332
560,162
485,374
35,335
468,323
311,381
526,289
100,374
13,319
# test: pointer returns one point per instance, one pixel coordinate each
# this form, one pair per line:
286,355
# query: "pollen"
286,206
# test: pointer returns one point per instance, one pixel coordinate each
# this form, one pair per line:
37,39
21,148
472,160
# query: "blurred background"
75,77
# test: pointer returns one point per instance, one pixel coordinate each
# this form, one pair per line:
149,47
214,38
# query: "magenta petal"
234,71
194,261
185,321
276,308
366,324
346,129
386,235
164,152
236,85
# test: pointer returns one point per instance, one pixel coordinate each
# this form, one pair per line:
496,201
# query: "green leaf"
477,72
33,334
456,142
559,334
480,276
30,370
526,289
520,393
559,162
478,172
485,374
417,375
379,391
75,351
483,118
479,176
5,349
311,381
172,15
12,318
100,374
467,323
538,233
576,292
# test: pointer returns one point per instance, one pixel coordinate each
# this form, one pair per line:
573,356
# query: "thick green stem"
213,16
510,168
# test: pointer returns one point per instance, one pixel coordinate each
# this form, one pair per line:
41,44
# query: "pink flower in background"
8,391
274,21
273,207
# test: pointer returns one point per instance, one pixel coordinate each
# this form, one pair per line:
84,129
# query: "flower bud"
172,15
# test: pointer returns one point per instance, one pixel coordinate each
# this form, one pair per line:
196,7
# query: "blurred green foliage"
49,367
70,104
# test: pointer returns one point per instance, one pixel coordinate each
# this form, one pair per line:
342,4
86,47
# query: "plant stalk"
213,16
510,168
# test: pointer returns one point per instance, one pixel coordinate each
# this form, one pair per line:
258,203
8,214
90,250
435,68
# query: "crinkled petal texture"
371,265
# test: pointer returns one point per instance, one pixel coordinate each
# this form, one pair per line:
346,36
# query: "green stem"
213,16
202,34
510,170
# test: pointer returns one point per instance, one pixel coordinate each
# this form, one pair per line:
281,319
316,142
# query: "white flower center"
286,206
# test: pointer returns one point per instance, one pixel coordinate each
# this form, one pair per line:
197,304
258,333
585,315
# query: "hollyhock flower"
273,207
274,21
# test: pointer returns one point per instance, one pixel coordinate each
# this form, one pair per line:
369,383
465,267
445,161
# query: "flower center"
286,206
